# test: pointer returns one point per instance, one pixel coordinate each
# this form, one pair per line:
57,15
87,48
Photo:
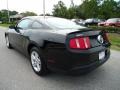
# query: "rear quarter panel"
40,37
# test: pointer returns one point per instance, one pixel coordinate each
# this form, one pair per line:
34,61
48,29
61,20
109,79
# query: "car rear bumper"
91,66
80,66
63,60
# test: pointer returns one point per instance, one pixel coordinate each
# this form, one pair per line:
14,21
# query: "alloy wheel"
36,61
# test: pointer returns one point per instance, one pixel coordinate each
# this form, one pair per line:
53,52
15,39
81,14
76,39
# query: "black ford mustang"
58,44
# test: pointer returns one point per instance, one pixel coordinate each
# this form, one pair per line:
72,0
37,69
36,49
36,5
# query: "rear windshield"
63,23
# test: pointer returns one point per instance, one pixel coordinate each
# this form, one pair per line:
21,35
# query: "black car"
58,44
92,21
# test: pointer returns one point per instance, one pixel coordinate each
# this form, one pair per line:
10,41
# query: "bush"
107,29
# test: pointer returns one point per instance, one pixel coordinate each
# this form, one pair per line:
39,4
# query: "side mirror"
12,27
15,28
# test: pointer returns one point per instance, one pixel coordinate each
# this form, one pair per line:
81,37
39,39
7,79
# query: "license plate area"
101,55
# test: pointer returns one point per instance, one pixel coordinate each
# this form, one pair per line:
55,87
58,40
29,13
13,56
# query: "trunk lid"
96,37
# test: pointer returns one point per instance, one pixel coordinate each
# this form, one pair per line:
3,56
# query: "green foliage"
60,10
115,40
4,15
89,9
27,13
109,9
72,12
114,35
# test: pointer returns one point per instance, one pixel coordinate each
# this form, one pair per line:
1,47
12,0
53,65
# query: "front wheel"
8,42
38,62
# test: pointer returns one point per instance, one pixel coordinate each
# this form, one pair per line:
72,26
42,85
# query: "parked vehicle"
115,22
78,21
73,20
58,44
81,22
102,23
92,21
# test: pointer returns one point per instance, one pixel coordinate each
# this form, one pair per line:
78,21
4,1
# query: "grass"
5,25
114,35
115,40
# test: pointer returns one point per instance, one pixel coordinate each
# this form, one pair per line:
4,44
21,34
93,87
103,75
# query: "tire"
8,43
38,62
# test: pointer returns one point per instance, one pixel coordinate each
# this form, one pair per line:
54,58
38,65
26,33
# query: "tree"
13,12
89,8
60,10
79,12
27,13
109,9
47,14
71,12
4,15
118,9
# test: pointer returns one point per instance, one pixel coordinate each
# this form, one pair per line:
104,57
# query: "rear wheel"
38,62
8,42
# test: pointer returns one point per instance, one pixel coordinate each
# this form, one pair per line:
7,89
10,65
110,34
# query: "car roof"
38,17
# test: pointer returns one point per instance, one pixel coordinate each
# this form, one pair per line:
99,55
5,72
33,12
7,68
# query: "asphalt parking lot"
16,74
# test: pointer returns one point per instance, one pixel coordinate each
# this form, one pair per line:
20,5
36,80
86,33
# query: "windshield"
62,23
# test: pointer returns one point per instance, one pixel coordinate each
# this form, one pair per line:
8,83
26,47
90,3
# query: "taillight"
80,43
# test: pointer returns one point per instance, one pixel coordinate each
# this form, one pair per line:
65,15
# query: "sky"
33,5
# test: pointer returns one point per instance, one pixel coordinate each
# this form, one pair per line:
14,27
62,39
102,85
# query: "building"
15,18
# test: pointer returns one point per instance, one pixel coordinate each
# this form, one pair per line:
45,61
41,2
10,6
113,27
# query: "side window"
37,25
24,24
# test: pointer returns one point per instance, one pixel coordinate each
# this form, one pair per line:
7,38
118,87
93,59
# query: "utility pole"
8,12
72,3
44,8
73,6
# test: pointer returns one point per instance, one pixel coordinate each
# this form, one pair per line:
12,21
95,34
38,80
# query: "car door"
22,26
